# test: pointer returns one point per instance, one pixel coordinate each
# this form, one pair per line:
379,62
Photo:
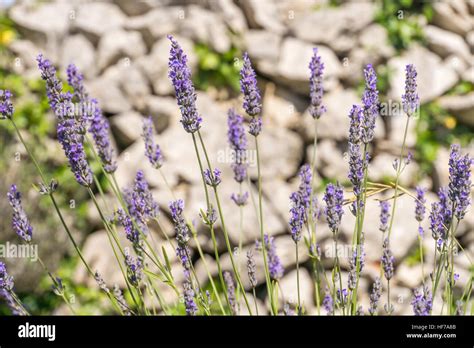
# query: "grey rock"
127,127
140,7
289,290
97,18
44,24
263,45
78,50
163,110
157,23
204,26
461,106
25,52
434,76
336,27
231,13
117,44
280,107
452,16
445,43
331,161
263,14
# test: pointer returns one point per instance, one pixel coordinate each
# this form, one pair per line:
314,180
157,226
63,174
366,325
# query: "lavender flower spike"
410,99
134,268
229,282
180,76
98,125
189,303
6,281
375,296
370,101
420,209
238,142
316,68
251,268
275,266
300,202
387,260
249,88
20,222
422,302
459,181
6,106
212,179
384,215
152,150
334,197
69,131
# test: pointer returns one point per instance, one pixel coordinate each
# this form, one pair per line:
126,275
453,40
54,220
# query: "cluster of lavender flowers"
135,207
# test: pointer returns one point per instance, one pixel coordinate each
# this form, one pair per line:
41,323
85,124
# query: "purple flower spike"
251,268
384,215
422,301
140,202
6,106
255,126
459,181
229,282
420,209
410,99
300,203
134,268
316,68
180,76
249,88
69,131
275,266
356,168
334,197
189,303
20,222
212,179
328,303
133,235
6,281
375,296
370,101
356,116
238,142
240,199
152,150
387,260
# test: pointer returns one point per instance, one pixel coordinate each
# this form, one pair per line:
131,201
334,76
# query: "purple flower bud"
420,204
118,294
134,268
6,281
189,303
375,296
334,197
6,106
180,226
133,235
152,150
316,68
249,88
356,116
384,215
300,203
180,76
356,168
358,255
328,303
212,179
251,268
240,199
275,266
20,223
410,99
255,126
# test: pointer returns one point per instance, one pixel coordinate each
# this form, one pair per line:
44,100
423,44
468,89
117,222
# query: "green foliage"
400,18
414,258
220,70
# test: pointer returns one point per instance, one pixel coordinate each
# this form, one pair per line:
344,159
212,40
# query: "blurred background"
122,50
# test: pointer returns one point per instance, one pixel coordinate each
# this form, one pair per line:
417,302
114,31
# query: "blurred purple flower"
152,150
20,223
316,67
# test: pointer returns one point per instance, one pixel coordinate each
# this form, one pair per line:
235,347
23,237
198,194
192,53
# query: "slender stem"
298,279
255,300
226,236
262,238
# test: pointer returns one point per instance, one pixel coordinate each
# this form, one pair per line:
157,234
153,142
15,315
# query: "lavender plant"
146,268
